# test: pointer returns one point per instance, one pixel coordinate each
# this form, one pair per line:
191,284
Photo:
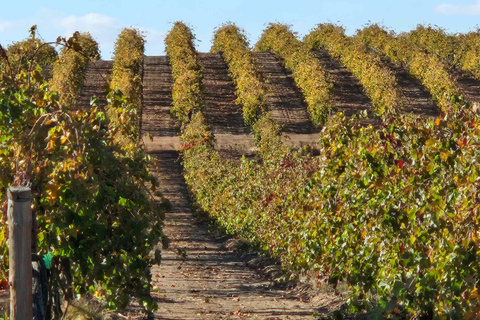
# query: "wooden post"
20,252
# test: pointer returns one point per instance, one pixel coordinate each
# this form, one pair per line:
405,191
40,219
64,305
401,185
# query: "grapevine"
89,194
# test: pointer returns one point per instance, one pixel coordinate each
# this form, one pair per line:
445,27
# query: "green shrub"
92,206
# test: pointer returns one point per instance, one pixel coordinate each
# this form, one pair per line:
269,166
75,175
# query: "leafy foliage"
90,197
309,74
378,81
428,68
461,51
70,69
393,213
30,51
232,43
435,40
187,73
468,52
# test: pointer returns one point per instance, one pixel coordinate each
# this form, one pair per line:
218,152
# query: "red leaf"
400,164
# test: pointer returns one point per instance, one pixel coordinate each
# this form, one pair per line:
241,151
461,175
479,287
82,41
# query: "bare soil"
415,98
222,114
96,82
284,100
47,72
350,98
202,276
157,119
468,84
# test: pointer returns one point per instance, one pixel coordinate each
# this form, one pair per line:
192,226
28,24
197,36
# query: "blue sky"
105,18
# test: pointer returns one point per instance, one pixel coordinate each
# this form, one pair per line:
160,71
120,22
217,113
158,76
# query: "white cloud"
154,38
466,10
4,25
92,22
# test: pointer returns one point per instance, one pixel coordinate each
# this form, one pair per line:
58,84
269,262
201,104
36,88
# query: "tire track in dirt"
201,277
157,119
284,100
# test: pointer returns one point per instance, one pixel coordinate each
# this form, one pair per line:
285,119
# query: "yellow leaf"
474,294
429,142
437,121
63,139
51,145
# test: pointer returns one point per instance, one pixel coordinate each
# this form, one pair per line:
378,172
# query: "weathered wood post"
20,252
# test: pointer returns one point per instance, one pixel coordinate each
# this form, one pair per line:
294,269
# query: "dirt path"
47,72
468,84
284,99
348,93
202,278
221,112
97,79
414,97
157,98
285,102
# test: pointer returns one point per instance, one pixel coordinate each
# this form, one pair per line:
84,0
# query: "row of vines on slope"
309,74
436,41
93,210
468,53
232,42
69,70
428,68
187,73
393,212
127,77
379,82
461,51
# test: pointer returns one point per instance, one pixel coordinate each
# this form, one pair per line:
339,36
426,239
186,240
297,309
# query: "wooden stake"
20,252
